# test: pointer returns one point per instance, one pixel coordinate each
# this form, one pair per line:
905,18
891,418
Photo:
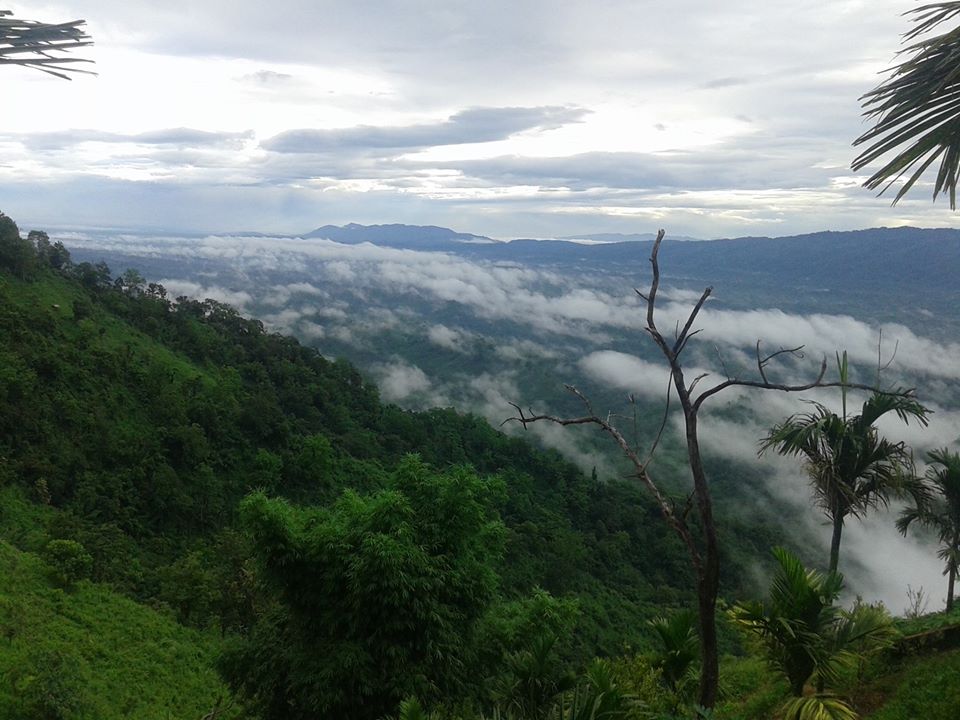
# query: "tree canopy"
376,596
939,509
851,467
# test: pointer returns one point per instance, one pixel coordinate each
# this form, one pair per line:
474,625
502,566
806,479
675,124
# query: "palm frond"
903,404
917,110
818,707
43,46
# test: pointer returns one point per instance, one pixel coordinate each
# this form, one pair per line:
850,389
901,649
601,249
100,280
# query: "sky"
526,118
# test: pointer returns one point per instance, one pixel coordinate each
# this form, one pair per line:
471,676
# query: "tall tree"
699,537
917,109
939,509
851,467
43,46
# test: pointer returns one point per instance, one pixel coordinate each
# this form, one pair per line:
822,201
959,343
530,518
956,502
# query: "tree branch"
685,334
639,466
651,297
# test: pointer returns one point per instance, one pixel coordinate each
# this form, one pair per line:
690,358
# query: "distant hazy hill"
885,274
414,237
923,261
892,262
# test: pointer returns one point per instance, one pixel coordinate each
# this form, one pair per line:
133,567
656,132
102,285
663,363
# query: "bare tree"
42,46
700,538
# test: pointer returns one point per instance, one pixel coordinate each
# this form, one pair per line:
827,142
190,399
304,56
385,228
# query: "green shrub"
69,561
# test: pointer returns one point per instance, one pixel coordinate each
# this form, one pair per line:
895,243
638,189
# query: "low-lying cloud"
355,295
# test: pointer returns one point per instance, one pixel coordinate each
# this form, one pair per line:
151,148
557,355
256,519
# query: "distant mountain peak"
414,237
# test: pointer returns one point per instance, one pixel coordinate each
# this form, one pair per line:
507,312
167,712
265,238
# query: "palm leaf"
818,707
43,46
917,110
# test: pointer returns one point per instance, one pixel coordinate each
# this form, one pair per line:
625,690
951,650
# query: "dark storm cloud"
472,125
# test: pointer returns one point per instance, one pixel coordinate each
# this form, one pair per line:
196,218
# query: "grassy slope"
925,685
89,653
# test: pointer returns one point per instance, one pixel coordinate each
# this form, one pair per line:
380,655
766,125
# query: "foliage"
822,706
917,109
751,691
598,697
926,688
91,653
512,629
69,561
938,507
533,680
851,467
42,45
16,253
390,585
678,652
194,405
807,636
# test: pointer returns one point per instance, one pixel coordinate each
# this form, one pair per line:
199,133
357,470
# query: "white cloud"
512,121
310,330
447,338
237,298
616,369
399,380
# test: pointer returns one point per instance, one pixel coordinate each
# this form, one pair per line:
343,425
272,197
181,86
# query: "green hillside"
186,497
89,653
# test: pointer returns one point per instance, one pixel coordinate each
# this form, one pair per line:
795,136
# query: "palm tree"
808,637
852,469
917,109
42,45
679,650
939,508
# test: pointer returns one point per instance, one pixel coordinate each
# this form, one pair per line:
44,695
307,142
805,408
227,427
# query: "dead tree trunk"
700,540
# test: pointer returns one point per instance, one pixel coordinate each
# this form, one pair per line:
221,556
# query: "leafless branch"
685,334
697,379
651,298
639,466
762,362
663,425
881,366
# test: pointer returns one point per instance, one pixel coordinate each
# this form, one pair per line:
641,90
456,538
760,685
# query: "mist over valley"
438,318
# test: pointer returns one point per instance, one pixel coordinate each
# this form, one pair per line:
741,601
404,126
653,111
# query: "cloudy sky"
521,118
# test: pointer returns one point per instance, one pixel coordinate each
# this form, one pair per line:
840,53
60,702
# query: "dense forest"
201,518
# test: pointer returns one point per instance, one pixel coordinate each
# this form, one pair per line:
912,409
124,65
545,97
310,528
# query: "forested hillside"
227,498
142,422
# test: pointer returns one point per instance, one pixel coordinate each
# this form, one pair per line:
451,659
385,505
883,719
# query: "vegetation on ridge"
132,427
